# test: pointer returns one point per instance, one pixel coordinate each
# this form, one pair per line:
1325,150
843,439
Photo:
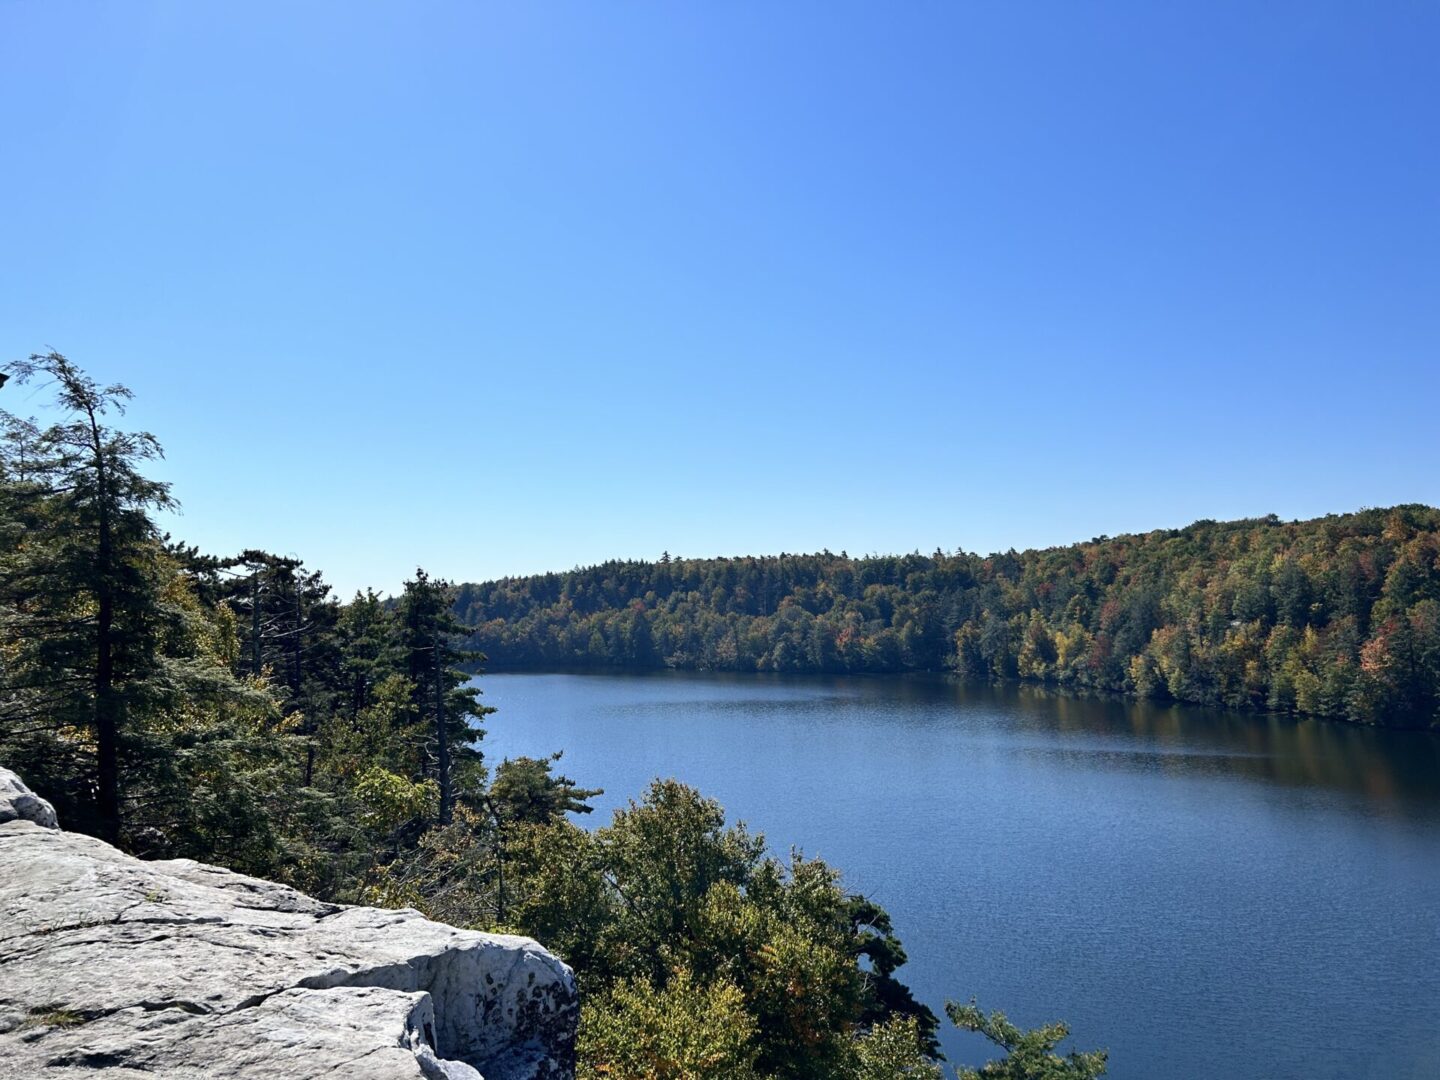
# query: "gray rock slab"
181,969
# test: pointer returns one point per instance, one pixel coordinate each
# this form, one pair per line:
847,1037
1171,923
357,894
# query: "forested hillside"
1335,617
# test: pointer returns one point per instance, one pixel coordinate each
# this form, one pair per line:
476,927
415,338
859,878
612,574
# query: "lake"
1206,894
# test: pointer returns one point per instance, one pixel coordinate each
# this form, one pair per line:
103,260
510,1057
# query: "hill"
1337,617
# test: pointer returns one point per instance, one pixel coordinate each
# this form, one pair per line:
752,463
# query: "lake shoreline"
1079,693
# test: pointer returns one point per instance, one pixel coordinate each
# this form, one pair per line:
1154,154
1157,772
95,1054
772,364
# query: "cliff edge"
185,970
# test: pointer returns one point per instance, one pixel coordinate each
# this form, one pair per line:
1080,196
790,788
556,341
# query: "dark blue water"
1203,893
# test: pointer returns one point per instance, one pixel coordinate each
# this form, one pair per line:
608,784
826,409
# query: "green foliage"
666,908
558,892
1030,1055
526,792
684,1031
892,1050
669,887
1327,617
389,800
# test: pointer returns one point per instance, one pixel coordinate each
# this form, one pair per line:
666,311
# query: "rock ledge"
185,970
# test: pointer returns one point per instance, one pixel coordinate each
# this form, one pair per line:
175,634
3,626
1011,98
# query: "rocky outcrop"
19,803
180,969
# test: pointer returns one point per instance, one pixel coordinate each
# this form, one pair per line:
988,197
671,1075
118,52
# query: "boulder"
186,970
19,803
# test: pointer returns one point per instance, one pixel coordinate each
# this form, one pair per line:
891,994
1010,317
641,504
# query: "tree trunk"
107,705
297,679
442,740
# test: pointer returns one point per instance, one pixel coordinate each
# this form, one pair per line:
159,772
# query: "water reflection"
1387,767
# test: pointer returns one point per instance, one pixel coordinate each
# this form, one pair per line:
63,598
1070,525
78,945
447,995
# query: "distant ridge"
1337,616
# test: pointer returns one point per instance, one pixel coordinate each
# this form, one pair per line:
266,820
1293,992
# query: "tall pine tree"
445,702
81,583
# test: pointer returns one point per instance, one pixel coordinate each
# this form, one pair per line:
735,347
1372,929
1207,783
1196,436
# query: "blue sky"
505,288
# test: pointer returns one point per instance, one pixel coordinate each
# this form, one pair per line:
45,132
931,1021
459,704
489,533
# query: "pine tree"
442,696
81,583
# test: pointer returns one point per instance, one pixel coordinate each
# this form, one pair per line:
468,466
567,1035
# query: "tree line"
231,709
1336,617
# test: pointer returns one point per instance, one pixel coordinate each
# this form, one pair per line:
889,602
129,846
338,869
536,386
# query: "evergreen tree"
1029,1055
526,791
82,582
445,704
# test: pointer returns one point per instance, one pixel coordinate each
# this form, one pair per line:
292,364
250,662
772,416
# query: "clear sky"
501,288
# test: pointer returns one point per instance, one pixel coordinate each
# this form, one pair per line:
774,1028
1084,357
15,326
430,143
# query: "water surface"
1206,894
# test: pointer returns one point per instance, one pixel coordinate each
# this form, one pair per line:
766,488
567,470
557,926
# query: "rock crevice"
190,970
